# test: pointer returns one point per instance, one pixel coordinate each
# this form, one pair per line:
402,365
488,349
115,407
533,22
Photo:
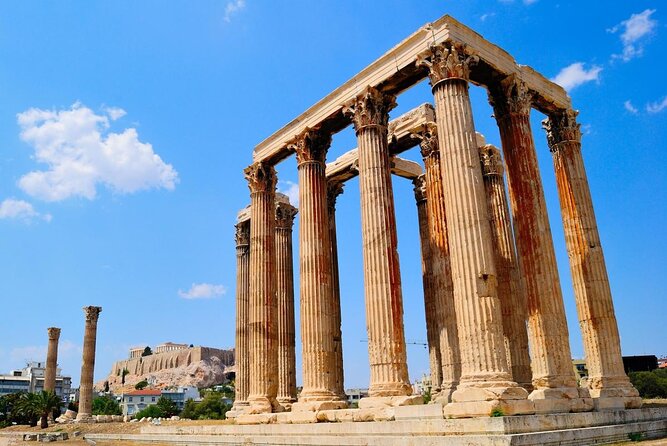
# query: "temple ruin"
491,285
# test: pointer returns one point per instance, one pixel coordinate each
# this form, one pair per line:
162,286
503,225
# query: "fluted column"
511,291
553,376
263,386
432,322
285,213
241,352
51,359
334,189
88,364
443,287
317,315
382,279
485,383
607,382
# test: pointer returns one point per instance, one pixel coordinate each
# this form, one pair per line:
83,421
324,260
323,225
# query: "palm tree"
27,408
47,402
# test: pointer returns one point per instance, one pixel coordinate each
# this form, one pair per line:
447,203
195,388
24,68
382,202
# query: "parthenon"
495,318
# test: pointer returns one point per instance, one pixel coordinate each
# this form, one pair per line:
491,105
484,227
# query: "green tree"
106,405
151,411
147,351
650,384
122,378
189,410
46,403
167,406
141,385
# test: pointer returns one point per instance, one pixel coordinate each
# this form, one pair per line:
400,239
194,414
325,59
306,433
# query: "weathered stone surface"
51,359
88,364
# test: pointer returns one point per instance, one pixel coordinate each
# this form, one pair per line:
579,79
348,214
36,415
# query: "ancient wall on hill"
170,360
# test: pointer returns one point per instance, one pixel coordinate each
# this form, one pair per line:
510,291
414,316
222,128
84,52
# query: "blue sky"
125,127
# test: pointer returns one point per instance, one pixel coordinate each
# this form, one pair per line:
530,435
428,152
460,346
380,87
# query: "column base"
616,398
316,406
262,404
444,396
561,399
488,401
390,389
239,407
286,403
379,402
84,418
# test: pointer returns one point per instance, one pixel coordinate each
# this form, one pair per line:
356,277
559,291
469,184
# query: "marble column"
607,382
316,287
443,286
432,322
486,384
51,359
511,291
241,352
553,375
382,278
333,191
262,309
285,214
88,364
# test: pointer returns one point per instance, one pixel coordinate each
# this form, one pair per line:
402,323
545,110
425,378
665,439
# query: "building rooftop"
145,392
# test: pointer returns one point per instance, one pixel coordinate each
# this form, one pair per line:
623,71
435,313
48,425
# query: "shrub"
151,411
650,384
106,405
141,385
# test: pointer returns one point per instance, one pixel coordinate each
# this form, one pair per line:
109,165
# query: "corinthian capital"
311,145
285,214
242,235
510,96
92,313
334,189
561,127
261,177
420,188
427,135
370,108
447,61
54,333
492,163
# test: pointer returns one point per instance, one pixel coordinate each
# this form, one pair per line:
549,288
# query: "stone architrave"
554,382
432,323
510,288
285,214
88,364
443,287
607,382
262,309
242,353
369,113
486,384
51,359
334,189
317,316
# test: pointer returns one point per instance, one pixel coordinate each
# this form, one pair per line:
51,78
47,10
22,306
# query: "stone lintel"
396,71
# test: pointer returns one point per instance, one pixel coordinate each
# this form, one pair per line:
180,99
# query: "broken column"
285,214
369,113
262,325
607,382
486,384
316,291
88,364
510,288
554,382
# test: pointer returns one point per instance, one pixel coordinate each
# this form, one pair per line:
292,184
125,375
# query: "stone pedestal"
485,383
553,376
443,286
241,353
511,291
285,299
88,365
382,281
607,382
263,386
317,313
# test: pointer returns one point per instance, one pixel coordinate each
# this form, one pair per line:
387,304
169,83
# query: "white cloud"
291,190
115,112
629,107
203,291
575,74
232,7
635,30
81,153
657,107
488,15
20,210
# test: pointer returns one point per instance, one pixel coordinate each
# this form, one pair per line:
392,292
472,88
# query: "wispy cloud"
231,8
11,208
576,74
488,15
290,189
525,2
80,153
636,30
203,291
630,108
657,107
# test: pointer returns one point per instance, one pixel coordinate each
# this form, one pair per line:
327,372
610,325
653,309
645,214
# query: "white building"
133,402
31,379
